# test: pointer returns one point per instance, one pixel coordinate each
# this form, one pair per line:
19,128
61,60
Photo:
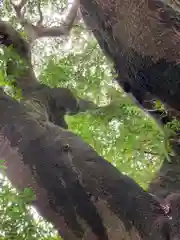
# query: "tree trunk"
75,188
83,195
141,38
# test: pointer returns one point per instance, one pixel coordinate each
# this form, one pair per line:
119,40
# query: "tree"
83,195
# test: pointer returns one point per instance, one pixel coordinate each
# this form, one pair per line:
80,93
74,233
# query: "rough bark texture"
70,180
83,195
63,180
142,40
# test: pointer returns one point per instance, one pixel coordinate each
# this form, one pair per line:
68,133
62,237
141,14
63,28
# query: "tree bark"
70,180
83,195
141,38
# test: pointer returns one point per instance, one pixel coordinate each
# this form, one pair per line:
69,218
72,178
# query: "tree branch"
48,103
19,8
38,30
70,180
10,37
39,23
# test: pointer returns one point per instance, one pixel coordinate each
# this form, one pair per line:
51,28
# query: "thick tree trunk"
75,188
83,195
142,40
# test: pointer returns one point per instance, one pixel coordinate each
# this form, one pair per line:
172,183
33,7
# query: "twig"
39,23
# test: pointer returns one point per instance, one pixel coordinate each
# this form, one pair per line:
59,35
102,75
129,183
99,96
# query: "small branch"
19,9
39,23
64,28
72,14
38,30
